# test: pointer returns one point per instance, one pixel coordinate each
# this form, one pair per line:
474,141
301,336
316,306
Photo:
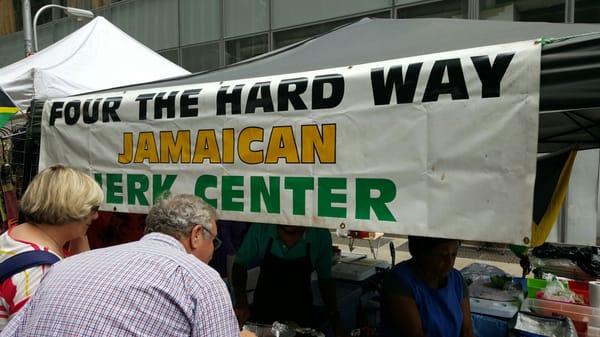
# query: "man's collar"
164,238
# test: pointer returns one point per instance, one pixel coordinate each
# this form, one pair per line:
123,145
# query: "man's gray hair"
176,215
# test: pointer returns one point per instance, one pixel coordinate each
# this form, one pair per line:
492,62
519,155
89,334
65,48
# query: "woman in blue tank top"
425,296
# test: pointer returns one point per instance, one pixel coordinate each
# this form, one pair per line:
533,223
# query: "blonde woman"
59,206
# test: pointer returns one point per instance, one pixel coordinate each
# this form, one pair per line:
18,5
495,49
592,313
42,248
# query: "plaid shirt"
151,287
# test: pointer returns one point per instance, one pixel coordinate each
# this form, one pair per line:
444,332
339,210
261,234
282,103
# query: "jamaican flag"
553,172
551,183
7,108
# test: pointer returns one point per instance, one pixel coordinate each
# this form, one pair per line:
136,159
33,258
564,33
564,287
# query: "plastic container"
485,326
582,289
529,324
504,310
581,315
260,330
520,282
535,285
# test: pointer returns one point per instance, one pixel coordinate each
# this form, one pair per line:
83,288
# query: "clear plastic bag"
282,330
556,291
480,271
260,330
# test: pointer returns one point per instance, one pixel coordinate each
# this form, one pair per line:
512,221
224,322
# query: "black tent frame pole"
580,127
585,128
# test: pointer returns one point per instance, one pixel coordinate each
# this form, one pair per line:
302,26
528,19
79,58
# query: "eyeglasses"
216,241
94,209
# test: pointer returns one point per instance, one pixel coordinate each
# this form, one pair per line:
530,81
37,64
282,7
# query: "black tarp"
569,100
5,101
548,170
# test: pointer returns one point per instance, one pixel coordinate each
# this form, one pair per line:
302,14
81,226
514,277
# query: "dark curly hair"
417,245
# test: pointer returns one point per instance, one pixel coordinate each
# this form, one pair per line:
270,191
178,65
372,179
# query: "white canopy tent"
97,56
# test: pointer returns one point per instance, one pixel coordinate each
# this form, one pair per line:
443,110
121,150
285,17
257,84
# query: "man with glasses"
216,241
160,285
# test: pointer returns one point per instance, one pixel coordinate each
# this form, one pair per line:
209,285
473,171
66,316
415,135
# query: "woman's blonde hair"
59,195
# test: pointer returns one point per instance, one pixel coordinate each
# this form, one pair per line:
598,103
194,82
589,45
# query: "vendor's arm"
402,313
327,288
322,261
465,307
467,328
405,315
248,252
239,277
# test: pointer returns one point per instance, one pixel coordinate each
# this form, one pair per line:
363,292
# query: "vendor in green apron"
287,256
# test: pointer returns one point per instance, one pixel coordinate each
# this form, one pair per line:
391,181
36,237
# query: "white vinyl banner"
439,145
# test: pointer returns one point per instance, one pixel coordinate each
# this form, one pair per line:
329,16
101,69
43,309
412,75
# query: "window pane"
45,36
199,21
380,15
523,10
290,36
200,57
66,26
8,22
587,11
84,4
242,49
406,2
286,13
171,55
45,16
152,22
98,3
12,48
245,17
456,9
